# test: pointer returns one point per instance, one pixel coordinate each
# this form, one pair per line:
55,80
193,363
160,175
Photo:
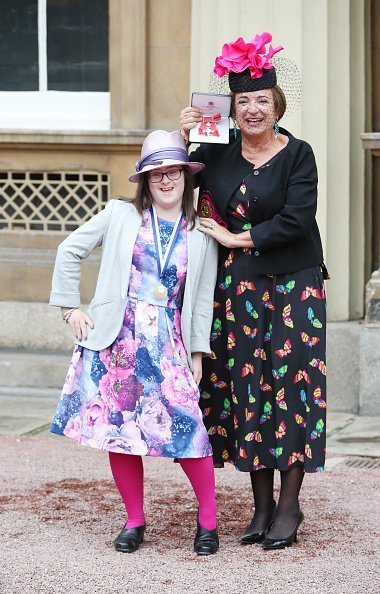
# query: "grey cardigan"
115,228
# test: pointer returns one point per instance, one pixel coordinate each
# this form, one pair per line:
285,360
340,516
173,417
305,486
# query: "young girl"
132,385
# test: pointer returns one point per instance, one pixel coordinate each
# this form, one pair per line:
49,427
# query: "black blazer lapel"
234,168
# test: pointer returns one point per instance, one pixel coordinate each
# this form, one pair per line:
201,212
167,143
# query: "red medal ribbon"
208,126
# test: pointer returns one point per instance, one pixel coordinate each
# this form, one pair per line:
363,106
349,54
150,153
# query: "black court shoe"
206,542
249,536
280,543
129,539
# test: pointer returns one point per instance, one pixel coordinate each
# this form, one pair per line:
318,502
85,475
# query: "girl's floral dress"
138,396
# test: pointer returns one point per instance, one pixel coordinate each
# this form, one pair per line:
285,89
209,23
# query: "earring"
276,129
235,130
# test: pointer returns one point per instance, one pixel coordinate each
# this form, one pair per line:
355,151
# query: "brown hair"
143,198
279,101
278,97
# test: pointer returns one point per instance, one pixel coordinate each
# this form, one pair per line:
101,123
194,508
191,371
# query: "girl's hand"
188,119
78,323
196,359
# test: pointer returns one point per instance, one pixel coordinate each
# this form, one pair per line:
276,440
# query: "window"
19,46
77,45
54,64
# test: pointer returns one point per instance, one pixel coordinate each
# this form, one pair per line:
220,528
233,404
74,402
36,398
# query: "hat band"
242,82
157,158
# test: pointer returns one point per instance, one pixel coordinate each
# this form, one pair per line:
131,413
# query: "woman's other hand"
188,119
196,359
78,322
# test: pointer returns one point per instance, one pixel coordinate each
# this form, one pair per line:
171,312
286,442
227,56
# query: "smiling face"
167,194
255,112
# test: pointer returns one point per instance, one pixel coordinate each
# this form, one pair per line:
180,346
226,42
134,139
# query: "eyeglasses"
156,176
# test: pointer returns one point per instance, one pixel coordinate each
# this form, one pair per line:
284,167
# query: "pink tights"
128,473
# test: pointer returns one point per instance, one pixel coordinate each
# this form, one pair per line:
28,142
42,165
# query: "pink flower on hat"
234,57
239,56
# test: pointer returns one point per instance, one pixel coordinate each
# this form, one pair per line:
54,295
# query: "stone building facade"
60,162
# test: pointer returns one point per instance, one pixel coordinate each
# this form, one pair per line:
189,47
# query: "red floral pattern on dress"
206,208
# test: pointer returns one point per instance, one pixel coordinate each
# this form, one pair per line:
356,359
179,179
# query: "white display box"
215,125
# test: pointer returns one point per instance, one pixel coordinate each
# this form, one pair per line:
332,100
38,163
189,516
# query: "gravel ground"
60,513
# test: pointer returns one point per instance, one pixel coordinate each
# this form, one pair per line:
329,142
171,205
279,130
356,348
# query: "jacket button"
256,253
255,199
256,172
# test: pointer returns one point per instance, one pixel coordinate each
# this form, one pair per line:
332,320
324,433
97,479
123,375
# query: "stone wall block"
369,403
33,327
343,366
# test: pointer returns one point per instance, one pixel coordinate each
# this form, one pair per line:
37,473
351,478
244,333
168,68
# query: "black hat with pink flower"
253,66
248,65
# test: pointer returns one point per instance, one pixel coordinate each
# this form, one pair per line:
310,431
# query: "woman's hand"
188,119
221,234
196,359
224,236
78,322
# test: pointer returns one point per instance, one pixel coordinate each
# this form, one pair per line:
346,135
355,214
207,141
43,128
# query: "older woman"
263,388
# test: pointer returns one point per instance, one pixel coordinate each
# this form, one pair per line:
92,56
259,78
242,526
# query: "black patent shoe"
280,543
249,536
206,542
129,539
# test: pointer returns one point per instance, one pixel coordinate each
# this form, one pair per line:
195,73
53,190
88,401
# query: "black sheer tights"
262,488
288,505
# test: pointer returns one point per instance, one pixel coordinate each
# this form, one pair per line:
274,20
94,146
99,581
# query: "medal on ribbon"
208,126
161,292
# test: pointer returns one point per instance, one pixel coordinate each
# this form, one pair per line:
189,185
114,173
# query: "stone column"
369,352
149,63
127,59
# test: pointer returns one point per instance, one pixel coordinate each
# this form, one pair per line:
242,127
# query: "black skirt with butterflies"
263,391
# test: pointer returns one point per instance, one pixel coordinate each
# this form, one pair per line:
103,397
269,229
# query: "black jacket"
283,205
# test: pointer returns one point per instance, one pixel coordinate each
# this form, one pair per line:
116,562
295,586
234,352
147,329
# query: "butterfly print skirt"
263,392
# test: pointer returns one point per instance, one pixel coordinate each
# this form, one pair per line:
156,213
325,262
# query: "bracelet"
67,315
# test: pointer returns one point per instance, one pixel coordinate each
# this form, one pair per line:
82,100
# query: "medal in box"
215,125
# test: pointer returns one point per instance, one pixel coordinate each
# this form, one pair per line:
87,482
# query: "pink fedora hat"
160,149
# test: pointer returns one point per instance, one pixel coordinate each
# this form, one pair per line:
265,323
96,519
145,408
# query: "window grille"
51,201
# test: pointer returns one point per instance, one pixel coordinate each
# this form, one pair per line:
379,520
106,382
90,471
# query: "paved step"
40,393
26,414
22,369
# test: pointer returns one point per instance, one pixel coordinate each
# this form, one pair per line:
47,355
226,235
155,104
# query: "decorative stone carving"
372,301
371,141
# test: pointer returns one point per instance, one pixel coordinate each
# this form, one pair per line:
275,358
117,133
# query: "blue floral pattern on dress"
138,396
